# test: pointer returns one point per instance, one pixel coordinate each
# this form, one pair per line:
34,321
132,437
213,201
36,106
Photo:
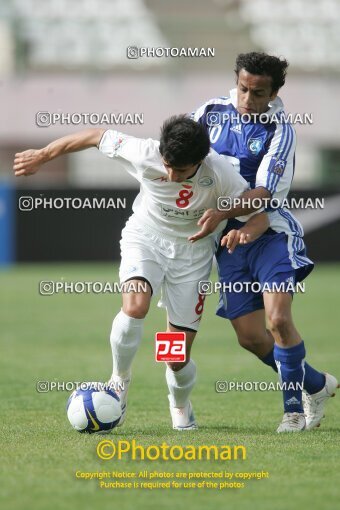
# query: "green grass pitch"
65,338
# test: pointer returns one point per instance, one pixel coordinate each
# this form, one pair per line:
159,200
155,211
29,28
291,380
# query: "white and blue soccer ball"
94,408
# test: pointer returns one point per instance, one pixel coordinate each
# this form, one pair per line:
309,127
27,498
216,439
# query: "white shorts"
173,265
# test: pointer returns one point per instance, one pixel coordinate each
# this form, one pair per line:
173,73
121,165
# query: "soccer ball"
94,408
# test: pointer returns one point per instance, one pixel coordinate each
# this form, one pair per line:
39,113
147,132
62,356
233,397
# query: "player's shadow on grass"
236,429
260,431
203,429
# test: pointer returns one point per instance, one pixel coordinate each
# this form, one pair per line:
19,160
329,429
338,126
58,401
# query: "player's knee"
137,310
279,322
250,341
175,367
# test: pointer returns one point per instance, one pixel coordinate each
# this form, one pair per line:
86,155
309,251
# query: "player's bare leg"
126,335
279,314
252,333
181,378
253,336
289,354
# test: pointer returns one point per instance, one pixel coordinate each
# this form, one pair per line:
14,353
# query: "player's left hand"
233,238
27,162
209,222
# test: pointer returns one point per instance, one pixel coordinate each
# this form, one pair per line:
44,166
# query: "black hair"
183,141
263,64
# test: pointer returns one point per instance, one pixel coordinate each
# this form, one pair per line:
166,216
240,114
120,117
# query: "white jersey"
172,208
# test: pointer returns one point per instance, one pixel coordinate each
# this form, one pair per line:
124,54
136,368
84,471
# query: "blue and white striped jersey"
265,150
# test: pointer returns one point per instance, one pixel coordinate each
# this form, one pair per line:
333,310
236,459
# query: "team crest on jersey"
205,181
279,166
255,145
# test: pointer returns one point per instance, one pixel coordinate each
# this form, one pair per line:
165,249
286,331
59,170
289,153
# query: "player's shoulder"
223,172
119,137
218,164
272,127
282,128
278,116
119,143
218,100
149,150
151,144
215,103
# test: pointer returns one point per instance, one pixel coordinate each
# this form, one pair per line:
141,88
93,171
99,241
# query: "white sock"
126,334
180,384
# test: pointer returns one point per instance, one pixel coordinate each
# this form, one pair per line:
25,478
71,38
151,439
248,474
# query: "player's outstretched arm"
253,229
212,217
30,161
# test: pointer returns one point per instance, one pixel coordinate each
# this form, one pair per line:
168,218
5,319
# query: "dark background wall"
94,234
71,234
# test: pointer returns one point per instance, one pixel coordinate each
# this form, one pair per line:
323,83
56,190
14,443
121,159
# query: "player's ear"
273,95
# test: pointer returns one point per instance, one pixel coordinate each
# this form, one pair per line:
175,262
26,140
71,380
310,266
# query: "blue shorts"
268,260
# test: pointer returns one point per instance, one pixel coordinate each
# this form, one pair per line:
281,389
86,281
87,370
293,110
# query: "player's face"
180,174
254,92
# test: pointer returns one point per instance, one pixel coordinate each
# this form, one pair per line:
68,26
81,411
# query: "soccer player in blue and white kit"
249,126
179,180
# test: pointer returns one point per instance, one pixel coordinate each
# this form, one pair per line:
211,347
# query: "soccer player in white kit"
180,178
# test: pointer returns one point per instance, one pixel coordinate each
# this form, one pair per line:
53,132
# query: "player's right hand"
209,222
27,162
233,238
